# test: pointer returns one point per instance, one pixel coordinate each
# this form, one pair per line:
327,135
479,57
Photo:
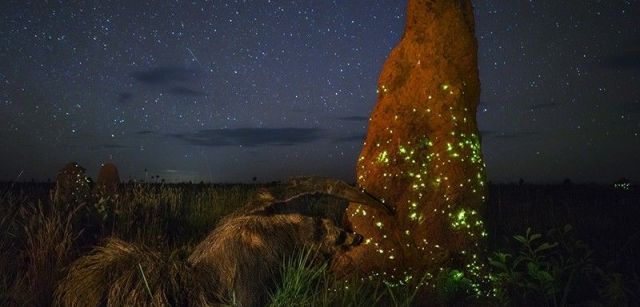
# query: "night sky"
224,91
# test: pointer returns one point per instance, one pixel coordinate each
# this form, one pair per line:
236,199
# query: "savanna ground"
536,258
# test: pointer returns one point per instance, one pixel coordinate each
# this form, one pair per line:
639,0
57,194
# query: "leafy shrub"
541,271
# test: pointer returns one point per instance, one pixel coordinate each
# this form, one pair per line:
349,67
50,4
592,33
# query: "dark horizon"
227,91
151,179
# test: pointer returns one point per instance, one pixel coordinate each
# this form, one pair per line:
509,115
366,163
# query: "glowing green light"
460,219
383,157
456,275
449,147
461,215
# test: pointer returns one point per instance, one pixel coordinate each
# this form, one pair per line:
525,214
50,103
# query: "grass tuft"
48,247
125,274
301,280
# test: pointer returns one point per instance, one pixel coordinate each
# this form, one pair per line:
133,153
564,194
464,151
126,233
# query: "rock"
108,179
422,151
72,185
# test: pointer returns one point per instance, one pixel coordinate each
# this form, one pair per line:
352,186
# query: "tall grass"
40,238
44,245
305,282
301,280
160,214
119,273
8,247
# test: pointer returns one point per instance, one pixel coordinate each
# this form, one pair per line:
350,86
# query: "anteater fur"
238,262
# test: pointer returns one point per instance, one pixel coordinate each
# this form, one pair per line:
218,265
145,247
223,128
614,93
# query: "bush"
541,272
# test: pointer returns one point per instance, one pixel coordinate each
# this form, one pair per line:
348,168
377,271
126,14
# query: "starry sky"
225,91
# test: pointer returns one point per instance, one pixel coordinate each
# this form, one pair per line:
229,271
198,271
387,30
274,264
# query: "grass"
301,281
46,246
307,283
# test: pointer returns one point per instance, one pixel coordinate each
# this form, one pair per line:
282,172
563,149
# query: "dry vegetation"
131,250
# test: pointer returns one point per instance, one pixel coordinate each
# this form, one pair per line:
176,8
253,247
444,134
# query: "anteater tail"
119,273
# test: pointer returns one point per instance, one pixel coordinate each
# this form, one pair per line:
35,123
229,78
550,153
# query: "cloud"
251,137
124,97
184,91
626,60
350,138
164,75
145,132
354,118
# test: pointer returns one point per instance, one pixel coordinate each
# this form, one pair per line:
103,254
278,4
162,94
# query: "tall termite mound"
422,151
72,184
108,179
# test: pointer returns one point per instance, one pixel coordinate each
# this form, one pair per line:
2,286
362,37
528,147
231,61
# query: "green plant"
611,286
306,282
352,292
453,287
540,272
404,295
301,279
